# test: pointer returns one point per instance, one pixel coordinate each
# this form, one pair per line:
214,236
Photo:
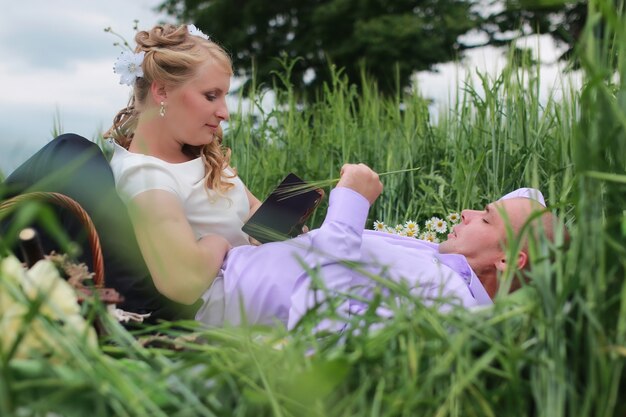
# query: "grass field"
556,348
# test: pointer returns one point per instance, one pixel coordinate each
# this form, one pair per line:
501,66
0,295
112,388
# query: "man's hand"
362,179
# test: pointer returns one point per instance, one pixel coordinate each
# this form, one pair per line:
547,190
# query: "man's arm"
338,240
357,189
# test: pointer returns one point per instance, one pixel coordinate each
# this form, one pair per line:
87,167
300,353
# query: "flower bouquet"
433,230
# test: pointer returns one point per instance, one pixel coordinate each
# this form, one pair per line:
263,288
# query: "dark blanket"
76,167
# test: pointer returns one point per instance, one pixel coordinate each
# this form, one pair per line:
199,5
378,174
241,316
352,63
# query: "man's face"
480,236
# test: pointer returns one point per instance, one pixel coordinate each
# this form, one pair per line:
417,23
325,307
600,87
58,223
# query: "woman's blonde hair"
172,57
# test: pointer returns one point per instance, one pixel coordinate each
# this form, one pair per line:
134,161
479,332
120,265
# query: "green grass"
556,348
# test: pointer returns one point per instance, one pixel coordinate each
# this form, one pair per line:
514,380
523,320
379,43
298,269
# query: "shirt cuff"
348,207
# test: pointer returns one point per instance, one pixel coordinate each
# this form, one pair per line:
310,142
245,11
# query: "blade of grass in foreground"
292,190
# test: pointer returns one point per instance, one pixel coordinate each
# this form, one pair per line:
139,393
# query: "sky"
58,65
58,60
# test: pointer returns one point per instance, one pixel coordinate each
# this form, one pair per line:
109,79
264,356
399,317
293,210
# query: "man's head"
481,237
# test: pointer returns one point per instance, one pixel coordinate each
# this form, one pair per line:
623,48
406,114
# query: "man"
274,282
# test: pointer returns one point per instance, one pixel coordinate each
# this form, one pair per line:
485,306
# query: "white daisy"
453,217
428,224
399,228
439,225
410,232
411,225
429,237
379,226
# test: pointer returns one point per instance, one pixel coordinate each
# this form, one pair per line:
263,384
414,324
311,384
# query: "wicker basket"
64,201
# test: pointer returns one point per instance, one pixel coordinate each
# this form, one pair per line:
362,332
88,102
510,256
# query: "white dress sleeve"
148,175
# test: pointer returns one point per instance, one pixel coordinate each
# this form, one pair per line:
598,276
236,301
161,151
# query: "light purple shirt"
269,284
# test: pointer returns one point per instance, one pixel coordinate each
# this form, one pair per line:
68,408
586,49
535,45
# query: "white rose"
12,269
43,278
75,331
11,323
12,274
37,340
60,304
79,326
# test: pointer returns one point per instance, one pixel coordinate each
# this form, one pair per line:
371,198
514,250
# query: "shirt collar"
458,263
478,291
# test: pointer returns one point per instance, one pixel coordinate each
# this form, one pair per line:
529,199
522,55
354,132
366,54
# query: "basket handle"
64,201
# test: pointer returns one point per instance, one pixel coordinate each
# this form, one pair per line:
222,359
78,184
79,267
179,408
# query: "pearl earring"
162,110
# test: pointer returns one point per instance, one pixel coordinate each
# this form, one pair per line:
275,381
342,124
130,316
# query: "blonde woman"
186,203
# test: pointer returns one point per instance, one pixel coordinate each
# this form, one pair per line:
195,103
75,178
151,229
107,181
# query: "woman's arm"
182,267
255,203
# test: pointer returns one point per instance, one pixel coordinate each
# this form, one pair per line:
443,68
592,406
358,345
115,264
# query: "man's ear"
522,261
501,263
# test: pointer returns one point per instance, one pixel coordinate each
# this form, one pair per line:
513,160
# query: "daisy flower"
390,229
429,236
410,232
453,217
399,228
439,225
379,226
411,225
428,224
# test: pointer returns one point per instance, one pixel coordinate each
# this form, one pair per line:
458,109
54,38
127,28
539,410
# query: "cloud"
55,34
57,59
49,47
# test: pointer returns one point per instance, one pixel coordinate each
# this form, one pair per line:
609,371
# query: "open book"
284,211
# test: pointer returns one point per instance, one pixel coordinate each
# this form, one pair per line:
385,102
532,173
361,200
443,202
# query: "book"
284,212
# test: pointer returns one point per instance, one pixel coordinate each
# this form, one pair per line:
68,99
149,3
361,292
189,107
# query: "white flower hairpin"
128,66
194,31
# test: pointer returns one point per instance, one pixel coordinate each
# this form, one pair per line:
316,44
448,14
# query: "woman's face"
194,110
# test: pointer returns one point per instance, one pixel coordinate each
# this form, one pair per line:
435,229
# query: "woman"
186,204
